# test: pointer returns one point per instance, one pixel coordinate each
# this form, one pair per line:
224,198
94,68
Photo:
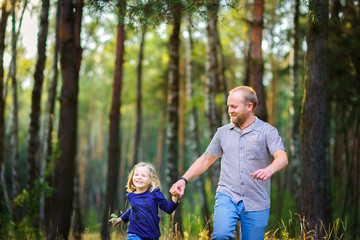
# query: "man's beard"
237,121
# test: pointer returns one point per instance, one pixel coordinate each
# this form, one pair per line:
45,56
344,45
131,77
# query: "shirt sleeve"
125,216
164,205
214,147
274,141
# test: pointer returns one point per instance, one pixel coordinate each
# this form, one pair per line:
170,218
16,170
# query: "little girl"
144,197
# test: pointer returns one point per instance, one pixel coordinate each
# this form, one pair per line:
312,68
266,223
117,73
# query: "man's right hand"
178,188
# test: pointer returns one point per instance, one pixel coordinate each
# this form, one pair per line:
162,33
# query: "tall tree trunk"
193,139
49,125
172,140
63,176
212,82
3,23
160,141
295,106
114,131
15,188
256,62
355,174
78,226
182,124
223,88
15,213
138,124
313,120
346,173
34,143
33,162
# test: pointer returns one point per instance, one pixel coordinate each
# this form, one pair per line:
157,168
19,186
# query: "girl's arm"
196,169
125,216
164,205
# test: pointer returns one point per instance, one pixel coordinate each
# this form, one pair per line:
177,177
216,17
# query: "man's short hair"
249,94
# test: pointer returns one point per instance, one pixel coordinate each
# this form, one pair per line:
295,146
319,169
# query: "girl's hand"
174,197
178,188
119,220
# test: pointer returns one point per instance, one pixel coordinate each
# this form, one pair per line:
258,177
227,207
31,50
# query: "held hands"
178,188
174,197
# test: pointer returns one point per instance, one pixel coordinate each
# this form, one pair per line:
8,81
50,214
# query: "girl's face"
141,179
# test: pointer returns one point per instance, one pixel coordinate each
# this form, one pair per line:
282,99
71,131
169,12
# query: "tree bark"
63,176
172,133
161,140
193,129
212,83
15,188
49,124
247,60
223,88
3,23
296,106
138,124
34,142
256,61
355,174
313,120
114,131
78,226
33,162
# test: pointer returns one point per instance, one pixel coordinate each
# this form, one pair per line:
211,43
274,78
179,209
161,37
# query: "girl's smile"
141,179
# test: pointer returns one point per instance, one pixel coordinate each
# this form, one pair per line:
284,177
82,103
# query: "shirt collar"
253,126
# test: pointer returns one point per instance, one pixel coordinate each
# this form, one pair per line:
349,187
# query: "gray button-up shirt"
242,154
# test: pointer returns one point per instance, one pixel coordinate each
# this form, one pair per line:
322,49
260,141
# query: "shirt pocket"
255,150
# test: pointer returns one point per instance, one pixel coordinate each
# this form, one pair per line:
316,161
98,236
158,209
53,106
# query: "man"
246,146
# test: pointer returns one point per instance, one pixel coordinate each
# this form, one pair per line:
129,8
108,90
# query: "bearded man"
251,151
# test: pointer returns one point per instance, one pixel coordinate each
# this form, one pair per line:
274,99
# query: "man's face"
237,109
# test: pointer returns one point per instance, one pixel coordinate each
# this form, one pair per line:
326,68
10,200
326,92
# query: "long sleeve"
164,205
125,216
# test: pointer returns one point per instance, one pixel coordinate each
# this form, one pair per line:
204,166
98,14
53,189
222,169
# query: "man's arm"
196,169
279,163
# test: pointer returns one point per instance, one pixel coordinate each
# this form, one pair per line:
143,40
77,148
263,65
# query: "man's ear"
250,107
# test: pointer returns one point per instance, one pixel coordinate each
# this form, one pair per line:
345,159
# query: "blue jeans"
226,215
132,236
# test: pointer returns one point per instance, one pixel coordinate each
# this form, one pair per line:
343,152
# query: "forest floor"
115,236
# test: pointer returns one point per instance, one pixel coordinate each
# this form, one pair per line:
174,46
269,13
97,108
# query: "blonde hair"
154,180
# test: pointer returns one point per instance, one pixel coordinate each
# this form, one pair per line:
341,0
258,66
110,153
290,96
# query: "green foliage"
200,233
113,218
296,227
91,221
30,201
